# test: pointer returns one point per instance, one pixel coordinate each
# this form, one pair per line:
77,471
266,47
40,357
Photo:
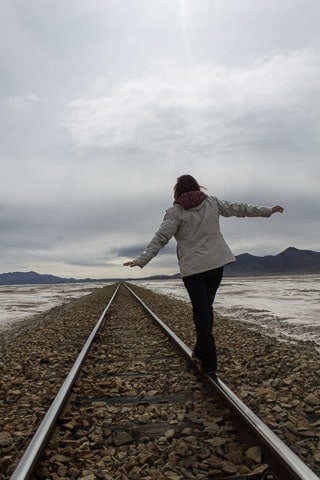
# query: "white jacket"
200,244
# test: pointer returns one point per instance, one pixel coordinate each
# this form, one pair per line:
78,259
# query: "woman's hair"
185,183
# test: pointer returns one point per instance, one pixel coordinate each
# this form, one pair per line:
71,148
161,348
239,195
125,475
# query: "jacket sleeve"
167,229
228,209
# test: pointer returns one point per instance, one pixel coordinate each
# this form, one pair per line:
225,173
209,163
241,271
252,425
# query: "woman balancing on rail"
202,252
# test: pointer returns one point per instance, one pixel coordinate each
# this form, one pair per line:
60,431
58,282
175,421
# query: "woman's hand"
132,263
277,208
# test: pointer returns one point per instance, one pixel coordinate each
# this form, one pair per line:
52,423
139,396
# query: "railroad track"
141,410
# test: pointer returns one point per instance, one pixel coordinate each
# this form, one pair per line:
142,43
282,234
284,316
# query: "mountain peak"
290,261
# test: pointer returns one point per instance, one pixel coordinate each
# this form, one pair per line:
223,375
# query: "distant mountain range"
24,278
290,261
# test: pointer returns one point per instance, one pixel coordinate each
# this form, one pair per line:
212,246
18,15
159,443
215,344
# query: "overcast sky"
105,102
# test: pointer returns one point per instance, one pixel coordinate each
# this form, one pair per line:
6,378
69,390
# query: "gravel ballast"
278,380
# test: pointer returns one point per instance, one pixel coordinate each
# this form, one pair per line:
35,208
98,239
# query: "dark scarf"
191,199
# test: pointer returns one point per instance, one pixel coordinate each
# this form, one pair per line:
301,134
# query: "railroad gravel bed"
279,381
140,412
35,357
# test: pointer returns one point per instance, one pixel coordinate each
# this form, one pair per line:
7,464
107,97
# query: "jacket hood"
191,199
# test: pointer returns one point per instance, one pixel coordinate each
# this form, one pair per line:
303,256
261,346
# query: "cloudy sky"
105,102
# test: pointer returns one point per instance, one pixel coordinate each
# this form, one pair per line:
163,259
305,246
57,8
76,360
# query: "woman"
202,253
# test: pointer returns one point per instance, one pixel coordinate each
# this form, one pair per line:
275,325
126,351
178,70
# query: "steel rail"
29,460
282,457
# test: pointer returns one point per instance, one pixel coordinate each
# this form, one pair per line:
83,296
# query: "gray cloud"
102,108
135,250
130,252
206,109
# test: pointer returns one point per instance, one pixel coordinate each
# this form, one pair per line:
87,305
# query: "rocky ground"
35,357
278,380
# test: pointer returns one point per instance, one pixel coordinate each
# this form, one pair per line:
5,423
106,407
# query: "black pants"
202,288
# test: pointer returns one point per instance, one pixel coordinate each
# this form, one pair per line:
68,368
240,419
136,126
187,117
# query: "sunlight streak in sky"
185,30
